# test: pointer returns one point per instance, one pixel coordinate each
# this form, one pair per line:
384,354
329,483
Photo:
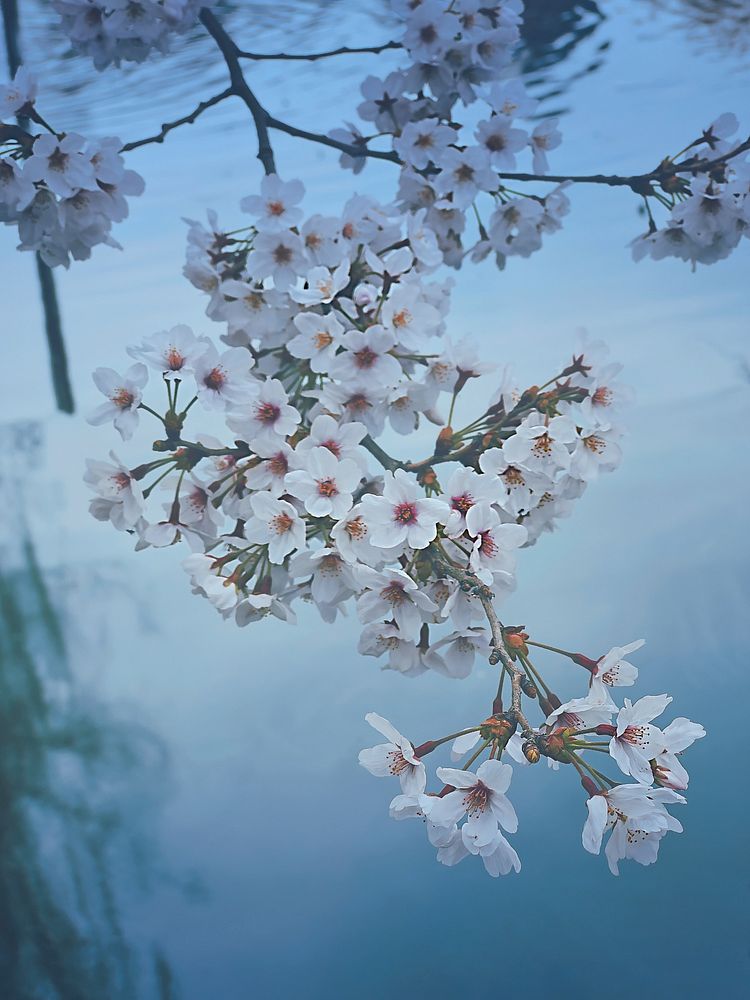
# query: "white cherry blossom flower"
325,485
276,207
493,542
61,164
267,418
396,757
637,742
275,523
464,489
171,352
279,256
391,593
114,483
481,797
352,537
366,355
613,669
124,396
541,444
16,95
546,136
222,379
501,141
402,514
637,819
380,638
678,736
318,339
322,285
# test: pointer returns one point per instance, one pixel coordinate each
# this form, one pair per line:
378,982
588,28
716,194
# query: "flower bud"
531,752
605,729
528,687
589,785
444,441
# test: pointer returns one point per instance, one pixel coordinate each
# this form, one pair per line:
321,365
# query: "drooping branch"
343,50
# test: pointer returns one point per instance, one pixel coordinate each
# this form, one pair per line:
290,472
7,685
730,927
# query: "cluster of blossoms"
460,54
115,31
61,190
633,813
333,330
709,213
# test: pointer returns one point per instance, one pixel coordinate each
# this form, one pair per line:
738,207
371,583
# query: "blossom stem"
474,756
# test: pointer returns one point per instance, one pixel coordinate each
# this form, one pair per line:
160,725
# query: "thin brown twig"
343,50
167,127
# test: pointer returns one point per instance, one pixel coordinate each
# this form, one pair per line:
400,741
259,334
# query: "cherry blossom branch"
473,585
167,127
343,50
240,88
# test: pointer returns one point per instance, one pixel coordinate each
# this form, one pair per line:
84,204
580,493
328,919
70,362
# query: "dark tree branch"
240,87
326,140
53,328
344,50
58,357
187,120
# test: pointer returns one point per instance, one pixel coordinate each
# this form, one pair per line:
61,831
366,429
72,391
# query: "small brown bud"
444,441
428,477
589,785
531,752
528,688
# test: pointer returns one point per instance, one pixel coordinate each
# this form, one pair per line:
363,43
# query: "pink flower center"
122,398
488,546
356,529
477,799
275,208
333,446
393,593
267,413
281,523
602,396
513,477
327,488
405,513
365,358
542,445
215,379
322,340
174,359
278,464
282,254
462,503
397,762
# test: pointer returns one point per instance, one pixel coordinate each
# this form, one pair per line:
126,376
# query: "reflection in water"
716,25
68,770
552,31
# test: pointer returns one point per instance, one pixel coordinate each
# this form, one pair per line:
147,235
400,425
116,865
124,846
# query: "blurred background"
182,812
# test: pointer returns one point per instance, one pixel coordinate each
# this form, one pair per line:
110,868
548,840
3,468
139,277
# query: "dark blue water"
182,810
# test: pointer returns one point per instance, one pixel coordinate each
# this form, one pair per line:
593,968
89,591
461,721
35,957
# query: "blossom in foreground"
396,757
636,741
124,394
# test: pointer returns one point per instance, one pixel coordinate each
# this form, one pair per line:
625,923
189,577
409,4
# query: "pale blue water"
266,865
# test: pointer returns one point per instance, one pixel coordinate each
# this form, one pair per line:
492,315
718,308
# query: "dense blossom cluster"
321,357
632,815
62,191
708,214
334,334
115,31
460,56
